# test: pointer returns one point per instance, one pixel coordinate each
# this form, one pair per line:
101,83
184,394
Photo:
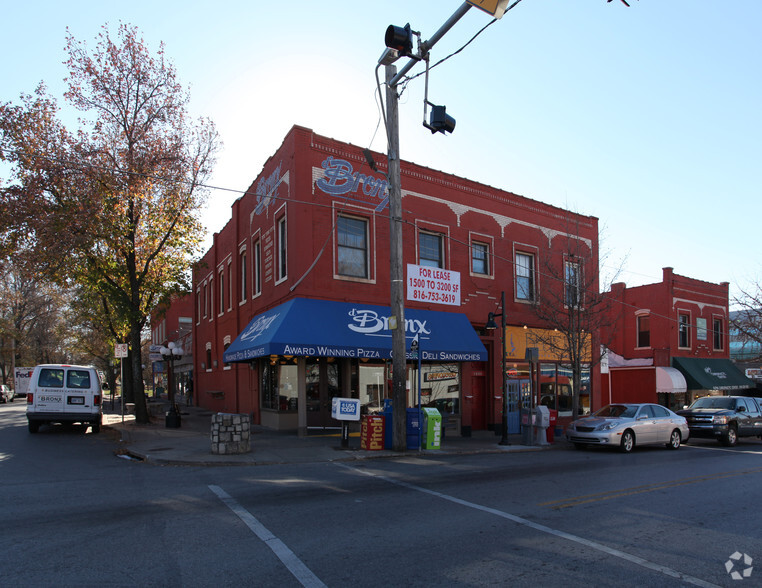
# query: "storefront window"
371,378
565,380
278,384
440,387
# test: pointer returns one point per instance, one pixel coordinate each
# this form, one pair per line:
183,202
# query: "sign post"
345,410
121,350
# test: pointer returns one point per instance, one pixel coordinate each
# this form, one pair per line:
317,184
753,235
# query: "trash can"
432,428
413,428
552,426
372,432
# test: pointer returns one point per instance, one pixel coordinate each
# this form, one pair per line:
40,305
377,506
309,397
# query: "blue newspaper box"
412,427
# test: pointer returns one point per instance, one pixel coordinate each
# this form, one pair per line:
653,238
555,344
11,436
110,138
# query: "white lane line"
294,565
708,448
543,529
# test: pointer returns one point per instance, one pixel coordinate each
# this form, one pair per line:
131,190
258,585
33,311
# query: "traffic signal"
400,38
440,121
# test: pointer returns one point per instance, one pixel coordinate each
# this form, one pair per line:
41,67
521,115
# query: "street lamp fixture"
491,326
171,352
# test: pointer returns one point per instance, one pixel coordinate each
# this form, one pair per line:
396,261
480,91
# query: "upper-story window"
244,278
718,329
524,276
222,291
684,330
572,286
352,251
256,262
480,258
430,250
644,330
282,248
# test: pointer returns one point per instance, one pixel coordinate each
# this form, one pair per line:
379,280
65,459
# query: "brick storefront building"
301,271
670,343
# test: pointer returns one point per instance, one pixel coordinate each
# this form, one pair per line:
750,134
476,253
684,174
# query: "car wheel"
731,438
674,440
96,427
34,426
628,441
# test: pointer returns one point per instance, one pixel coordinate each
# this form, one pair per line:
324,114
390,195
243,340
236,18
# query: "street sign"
494,7
121,350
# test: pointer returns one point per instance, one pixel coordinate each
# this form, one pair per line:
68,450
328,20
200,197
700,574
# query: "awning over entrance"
670,381
322,328
711,374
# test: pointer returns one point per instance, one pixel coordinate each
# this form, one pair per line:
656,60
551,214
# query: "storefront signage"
432,284
267,189
439,376
340,178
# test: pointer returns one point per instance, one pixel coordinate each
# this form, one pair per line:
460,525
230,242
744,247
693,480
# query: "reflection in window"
430,250
353,247
279,385
480,258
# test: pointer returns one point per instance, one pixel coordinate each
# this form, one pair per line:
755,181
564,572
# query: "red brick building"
302,269
669,342
173,324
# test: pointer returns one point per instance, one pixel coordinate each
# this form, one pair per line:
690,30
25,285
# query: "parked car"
6,394
725,418
626,425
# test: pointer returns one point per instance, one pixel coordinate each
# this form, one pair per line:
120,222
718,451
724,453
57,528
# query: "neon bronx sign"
340,178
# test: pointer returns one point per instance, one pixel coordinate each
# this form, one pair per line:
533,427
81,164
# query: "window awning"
323,328
670,381
711,374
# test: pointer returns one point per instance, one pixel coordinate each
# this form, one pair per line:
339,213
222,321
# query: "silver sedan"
625,425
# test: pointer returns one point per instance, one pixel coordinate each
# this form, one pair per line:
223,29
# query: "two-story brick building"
292,299
669,343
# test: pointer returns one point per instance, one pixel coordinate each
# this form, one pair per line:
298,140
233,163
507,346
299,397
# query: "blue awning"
322,328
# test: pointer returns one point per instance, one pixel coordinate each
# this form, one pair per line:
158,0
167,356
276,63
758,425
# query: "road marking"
294,565
543,529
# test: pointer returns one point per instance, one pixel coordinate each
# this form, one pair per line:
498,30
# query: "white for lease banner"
432,284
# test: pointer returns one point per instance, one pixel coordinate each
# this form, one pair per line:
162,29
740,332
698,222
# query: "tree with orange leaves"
112,207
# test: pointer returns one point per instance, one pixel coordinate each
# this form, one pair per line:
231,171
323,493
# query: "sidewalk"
190,444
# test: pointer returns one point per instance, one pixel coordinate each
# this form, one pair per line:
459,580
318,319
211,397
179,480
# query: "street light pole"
170,352
491,326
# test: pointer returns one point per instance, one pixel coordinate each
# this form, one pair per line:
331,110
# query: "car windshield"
714,402
618,411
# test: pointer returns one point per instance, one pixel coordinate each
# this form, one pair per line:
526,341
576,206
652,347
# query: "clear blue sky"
647,117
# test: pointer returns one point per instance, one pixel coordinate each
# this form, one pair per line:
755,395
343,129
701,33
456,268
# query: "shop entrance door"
479,405
323,384
514,391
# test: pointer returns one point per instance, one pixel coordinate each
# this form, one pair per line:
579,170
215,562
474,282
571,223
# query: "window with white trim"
524,276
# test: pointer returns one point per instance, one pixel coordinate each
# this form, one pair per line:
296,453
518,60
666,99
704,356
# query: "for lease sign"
432,284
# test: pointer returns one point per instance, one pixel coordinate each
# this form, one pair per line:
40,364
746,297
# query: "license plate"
76,400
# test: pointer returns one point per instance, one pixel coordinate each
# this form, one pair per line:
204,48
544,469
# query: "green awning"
711,374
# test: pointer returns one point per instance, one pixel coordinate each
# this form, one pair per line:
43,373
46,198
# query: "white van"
64,394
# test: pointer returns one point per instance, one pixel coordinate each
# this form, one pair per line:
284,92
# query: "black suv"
725,418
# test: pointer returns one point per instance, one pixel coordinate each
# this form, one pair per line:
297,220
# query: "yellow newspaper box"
432,428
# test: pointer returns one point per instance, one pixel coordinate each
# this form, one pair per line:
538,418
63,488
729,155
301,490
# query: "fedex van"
64,394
